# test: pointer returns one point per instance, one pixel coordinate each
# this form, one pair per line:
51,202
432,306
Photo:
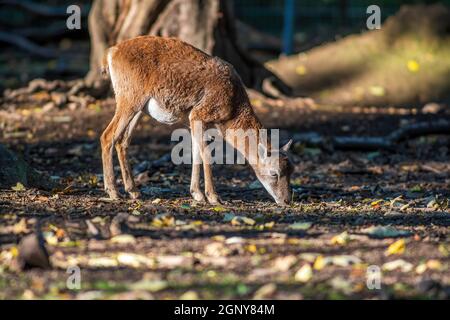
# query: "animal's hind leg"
122,154
109,138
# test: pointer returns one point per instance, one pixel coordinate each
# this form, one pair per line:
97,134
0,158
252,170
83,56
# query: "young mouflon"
171,80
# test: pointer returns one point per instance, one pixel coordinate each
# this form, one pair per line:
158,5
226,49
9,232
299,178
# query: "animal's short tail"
105,66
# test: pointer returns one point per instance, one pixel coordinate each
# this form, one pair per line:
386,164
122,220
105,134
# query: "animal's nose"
283,202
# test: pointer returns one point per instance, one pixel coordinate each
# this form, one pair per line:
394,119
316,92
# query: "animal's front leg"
196,192
210,190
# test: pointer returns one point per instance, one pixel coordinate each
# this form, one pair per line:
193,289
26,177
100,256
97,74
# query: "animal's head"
274,172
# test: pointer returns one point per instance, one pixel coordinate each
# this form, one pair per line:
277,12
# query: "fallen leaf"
401,264
319,263
385,232
21,227
398,247
376,204
432,264
283,264
102,262
251,248
18,187
340,239
344,260
149,285
265,291
134,260
234,240
189,295
239,220
304,274
163,220
156,201
338,260
123,239
172,261
219,209
216,249
300,225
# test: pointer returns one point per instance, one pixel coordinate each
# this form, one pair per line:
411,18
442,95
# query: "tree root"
39,8
388,142
27,45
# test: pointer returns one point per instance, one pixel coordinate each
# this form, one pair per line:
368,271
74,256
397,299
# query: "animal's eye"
273,173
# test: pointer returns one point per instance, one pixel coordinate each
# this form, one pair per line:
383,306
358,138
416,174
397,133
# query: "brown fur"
184,81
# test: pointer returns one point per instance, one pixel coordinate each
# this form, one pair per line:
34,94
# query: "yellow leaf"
376,203
251,248
163,220
434,264
269,225
413,66
320,263
14,251
301,70
341,239
304,274
18,187
398,247
239,220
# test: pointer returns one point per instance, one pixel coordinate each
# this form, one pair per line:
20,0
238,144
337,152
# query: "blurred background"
406,63
368,111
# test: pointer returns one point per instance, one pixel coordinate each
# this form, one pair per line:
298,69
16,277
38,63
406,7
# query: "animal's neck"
243,132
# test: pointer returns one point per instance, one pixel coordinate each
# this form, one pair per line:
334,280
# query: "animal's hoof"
135,194
113,194
198,196
214,199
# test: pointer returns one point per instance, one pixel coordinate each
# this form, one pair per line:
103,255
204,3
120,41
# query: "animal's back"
157,60
173,73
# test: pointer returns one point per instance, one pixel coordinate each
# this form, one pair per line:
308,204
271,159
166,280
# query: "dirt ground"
384,209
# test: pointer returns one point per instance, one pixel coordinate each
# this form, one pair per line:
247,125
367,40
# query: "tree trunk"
207,24
14,169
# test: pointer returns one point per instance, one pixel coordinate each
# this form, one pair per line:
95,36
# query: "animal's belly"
159,113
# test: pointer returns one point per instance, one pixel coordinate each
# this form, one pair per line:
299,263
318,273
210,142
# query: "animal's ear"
262,151
287,146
